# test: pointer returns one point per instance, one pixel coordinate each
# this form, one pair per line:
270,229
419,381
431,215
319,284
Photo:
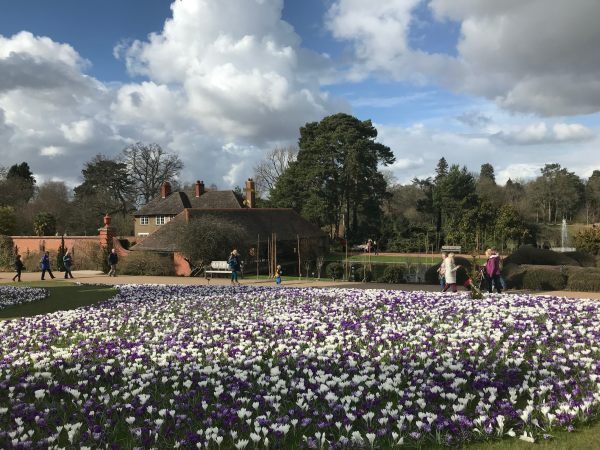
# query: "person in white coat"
450,269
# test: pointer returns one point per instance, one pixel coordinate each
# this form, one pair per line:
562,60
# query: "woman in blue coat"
45,265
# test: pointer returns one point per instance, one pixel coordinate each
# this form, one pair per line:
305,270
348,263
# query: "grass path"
63,296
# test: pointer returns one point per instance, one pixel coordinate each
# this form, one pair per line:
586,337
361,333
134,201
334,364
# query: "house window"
143,234
144,220
160,220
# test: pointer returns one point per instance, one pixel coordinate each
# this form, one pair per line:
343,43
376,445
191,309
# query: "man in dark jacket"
18,267
113,259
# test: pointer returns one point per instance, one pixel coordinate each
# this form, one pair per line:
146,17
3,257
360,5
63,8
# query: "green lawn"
583,438
429,260
63,296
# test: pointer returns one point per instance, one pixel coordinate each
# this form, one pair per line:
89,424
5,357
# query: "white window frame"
144,220
161,220
143,234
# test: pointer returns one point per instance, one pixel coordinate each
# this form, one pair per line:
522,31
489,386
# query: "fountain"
564,239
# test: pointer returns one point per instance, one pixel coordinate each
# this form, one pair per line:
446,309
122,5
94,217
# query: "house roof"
254,222
177,201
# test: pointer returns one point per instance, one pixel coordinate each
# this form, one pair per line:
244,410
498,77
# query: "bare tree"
272,166
149,165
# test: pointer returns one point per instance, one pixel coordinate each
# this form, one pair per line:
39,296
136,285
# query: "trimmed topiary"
392,274
542,279
584,281
513,275
584,259
359,272
334,270
540,257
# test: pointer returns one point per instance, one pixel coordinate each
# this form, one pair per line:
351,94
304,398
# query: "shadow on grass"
63,296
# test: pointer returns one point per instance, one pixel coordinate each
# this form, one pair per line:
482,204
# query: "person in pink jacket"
492,270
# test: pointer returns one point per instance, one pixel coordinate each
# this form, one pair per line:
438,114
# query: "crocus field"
233,368
11,295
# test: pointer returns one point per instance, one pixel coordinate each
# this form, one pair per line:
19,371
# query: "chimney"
250,194
165,189
199,188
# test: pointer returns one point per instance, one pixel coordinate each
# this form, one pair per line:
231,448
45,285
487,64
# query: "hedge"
584,281
540,257
542,279
392,274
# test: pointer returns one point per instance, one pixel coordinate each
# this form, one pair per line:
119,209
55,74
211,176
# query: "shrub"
584,281
584,259
540,257
146,263
31,261
7,249
392,274
588,240
334,270
513,275
360,272
89,256
538,279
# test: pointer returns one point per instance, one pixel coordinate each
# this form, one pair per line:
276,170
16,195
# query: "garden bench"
217,267
451,248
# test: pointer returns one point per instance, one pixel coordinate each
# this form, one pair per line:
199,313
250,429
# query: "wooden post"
299,266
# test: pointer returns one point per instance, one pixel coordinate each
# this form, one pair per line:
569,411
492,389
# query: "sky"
221,82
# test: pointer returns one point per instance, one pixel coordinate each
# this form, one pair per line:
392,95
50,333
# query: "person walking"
492,269
450,269
234,265
278,275
442,271
113,260
68,263
19,267
45,265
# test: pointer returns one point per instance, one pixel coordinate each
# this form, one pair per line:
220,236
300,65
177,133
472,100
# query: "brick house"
157,222
162,209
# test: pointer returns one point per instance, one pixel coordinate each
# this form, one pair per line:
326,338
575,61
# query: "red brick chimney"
199,188
106,233
250,194
165,189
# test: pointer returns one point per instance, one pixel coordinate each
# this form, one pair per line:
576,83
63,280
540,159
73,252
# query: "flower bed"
219,367
11,295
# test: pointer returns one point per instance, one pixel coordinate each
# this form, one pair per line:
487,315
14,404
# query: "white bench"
451,248
216,267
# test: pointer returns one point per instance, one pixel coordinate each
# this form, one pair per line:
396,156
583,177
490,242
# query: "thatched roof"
288,225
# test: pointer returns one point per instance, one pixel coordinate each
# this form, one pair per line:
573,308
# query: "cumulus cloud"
538,56
540,133
239,69
223,81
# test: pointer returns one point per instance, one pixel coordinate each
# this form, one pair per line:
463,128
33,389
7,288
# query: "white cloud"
419,147
540,133
238,68
52,151
565,132
220,72
520,171
538,56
